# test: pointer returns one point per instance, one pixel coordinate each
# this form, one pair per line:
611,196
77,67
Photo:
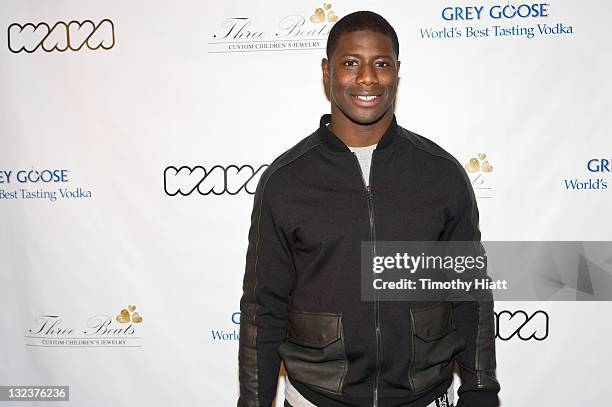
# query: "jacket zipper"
370,200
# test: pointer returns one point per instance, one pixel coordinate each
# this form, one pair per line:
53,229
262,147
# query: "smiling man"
358,177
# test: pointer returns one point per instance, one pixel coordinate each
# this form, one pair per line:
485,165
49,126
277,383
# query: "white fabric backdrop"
152,90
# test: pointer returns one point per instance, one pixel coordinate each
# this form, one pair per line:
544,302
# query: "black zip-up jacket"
301,299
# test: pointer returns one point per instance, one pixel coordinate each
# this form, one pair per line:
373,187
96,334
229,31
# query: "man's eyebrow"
357,54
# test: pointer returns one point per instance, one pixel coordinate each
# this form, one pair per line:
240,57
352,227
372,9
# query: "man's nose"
367,75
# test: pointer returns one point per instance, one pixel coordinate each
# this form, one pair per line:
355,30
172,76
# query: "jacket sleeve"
267,283
474,320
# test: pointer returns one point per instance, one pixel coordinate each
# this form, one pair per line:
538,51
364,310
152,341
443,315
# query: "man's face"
362,76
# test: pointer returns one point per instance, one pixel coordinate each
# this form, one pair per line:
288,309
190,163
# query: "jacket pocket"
435,344
313,352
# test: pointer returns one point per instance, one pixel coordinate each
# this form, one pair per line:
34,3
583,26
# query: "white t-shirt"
364,155
297,400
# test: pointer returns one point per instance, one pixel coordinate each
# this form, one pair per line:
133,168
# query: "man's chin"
363,117
366,119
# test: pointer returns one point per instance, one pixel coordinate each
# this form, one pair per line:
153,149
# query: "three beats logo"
61,36
479,170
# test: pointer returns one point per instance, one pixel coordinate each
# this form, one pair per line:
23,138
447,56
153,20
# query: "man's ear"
325,70
398,66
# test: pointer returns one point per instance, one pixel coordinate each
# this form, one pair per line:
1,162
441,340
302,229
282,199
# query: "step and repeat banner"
133,135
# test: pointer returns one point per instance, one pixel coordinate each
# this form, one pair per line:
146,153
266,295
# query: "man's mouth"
366,100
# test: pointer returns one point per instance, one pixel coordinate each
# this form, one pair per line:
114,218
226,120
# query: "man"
359,177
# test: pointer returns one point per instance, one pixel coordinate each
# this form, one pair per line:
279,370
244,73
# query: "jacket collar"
331,141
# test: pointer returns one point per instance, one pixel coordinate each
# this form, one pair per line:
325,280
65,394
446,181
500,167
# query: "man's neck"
358,135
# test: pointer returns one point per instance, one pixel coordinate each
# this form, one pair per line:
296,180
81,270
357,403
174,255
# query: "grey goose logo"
520,324
61,36
216,180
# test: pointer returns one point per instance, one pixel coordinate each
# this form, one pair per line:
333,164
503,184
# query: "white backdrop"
110,119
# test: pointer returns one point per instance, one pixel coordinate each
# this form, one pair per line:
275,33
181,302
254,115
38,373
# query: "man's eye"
382,64
350,62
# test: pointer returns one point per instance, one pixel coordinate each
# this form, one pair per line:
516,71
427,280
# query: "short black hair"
359,21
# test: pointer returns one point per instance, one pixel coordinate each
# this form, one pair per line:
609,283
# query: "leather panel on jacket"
313,352
435,344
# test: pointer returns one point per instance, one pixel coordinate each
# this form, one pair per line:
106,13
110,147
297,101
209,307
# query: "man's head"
361,21
361,69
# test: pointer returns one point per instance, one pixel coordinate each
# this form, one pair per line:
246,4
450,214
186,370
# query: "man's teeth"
367,98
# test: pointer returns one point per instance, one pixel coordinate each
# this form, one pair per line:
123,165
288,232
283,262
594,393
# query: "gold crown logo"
324,14
478,164
129,314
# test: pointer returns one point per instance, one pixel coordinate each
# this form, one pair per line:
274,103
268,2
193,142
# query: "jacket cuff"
478,399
